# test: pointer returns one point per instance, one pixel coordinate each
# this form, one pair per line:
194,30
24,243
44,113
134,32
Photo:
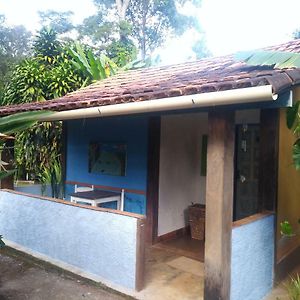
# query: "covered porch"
174,262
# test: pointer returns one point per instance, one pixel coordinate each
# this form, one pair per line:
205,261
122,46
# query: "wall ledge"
100,209
251,219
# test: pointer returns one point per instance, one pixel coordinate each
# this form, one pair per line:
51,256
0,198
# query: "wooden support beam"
219,205
153,179
268,173
64,141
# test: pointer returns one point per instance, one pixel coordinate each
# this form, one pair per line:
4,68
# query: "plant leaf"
277,59
291,115
296,154
4,174
2,244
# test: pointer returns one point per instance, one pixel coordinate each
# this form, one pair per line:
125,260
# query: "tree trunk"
122,6
143,39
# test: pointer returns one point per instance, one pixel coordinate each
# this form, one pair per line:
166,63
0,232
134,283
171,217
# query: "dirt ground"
25,277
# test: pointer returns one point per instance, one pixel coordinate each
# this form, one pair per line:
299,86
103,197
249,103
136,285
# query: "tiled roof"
203,76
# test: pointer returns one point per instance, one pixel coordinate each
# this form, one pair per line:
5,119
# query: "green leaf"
4,174
291,115
277,59
286,229
24,117
2,244
296,154
94,65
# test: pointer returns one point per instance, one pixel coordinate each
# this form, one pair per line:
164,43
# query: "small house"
211,132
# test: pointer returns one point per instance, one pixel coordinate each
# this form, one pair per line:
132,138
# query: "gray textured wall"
252,259
97,242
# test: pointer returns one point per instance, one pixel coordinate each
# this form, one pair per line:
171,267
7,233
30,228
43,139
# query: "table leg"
122,200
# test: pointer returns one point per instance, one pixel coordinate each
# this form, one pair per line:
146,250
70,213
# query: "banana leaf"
278,59
296,154
2,244
4,173
24,116
291,115
21,121
94,66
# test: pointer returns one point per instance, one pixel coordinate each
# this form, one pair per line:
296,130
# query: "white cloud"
233,25
25,12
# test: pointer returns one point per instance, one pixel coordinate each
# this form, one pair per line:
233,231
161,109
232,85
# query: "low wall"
252,261
35,189
97,241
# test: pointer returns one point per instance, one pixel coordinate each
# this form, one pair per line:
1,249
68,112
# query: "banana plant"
94,68
52,175
13,124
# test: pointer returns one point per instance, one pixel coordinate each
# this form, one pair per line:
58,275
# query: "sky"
228,25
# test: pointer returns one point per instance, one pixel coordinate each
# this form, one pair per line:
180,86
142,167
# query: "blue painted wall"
252,261
131,130
100,243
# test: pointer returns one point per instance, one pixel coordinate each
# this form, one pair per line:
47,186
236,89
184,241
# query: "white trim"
236,96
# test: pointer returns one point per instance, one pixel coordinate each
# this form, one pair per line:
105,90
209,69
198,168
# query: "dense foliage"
14,46
54,70
59,21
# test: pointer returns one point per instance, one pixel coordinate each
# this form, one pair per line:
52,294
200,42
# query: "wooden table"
96,197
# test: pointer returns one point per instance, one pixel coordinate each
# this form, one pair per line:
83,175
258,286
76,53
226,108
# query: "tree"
146,22
58,21
14,41
48,74
200,49
152,21
296,34
54,70
111,36
14,46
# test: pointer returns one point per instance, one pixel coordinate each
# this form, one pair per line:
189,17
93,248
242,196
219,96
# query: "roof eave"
212,99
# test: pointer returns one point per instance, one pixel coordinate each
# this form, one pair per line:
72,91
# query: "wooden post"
219,205
153,179
64,140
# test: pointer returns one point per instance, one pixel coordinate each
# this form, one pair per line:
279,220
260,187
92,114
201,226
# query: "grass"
293,288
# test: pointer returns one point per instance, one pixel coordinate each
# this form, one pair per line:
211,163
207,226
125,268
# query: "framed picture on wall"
107,158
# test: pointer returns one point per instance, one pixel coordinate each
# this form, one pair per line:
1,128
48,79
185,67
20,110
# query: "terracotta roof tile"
203,76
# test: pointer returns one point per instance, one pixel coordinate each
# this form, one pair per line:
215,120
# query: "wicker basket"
197,221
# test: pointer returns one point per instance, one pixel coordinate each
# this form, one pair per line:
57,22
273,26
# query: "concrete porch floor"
170,276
